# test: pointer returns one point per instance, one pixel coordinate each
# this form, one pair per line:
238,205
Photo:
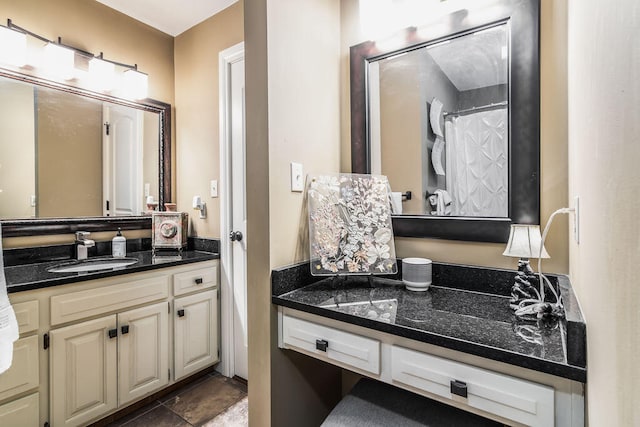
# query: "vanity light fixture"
102,74
135,84
14,47
59,60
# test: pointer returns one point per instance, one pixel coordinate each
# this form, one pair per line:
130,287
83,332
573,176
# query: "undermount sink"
96,264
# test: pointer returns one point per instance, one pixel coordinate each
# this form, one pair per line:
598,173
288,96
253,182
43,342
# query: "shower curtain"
477,163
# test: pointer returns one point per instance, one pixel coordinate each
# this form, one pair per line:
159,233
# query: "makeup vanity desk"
458,342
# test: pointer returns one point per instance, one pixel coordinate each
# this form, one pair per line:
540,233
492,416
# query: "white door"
122,155
233,212
239,220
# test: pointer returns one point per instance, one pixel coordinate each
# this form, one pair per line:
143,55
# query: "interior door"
238,220
122,155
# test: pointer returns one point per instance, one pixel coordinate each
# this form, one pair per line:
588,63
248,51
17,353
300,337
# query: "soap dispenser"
119,245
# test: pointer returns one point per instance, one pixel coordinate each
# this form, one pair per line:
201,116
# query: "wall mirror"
73,159
451,116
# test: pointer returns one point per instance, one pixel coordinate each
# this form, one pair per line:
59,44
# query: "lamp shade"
524,242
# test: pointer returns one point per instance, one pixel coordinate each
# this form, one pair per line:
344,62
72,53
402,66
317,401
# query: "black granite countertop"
466,309
27,268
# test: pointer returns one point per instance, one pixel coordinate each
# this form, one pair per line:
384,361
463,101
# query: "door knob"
235,236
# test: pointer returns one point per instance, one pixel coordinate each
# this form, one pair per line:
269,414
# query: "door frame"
226,58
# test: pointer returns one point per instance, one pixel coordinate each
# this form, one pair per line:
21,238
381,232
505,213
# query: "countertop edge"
132,269
553,368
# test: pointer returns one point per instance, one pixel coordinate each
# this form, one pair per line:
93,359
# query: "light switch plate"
297,177
213,186
147,189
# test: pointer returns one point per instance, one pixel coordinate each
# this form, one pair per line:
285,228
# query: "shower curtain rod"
476,109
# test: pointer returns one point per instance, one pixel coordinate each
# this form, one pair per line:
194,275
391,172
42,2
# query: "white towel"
435,115
436,156
8,324
396,202
441,200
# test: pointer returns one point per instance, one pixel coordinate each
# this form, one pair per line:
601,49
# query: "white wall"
604,152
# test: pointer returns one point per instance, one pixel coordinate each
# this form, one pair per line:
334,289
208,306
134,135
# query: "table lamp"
524,243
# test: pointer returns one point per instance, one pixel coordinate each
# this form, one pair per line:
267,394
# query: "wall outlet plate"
297,177
213,186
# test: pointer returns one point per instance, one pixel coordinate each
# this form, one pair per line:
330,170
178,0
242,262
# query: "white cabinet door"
196,332
143,354
23,412
83,374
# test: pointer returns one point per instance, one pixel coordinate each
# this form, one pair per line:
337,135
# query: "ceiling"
169,16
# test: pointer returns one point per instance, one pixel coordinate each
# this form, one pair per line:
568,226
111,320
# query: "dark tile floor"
196,404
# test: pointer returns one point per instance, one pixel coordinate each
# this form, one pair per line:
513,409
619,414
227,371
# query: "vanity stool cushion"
371,403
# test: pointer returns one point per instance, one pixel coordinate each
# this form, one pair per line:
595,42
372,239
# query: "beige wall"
292,85
64,184
604,149
401,129
197,113
553,146
17,150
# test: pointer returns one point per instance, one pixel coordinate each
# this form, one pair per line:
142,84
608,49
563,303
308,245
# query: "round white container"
416,273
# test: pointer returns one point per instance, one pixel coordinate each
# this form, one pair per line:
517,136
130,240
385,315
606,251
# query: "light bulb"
102,74
135,84
59,61
13,47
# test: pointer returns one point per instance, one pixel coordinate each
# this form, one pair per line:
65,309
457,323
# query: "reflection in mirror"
438,125
65,155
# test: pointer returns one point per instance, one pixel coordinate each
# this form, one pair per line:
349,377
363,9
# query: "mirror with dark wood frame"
79,160
451,114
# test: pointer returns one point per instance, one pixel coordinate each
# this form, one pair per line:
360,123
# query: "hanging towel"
436,156
396,202
8,324
441,200
435,115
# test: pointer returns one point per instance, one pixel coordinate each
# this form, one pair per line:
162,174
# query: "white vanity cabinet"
19,398
505,393
104,344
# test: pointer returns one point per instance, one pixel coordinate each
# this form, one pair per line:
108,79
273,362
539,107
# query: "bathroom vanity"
93,343
458,342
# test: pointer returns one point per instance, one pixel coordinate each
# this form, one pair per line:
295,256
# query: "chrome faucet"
82,244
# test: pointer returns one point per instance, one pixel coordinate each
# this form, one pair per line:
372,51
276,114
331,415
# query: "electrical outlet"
576,219
213,186
297,178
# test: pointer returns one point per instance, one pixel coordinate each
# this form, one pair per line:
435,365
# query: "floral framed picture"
350,225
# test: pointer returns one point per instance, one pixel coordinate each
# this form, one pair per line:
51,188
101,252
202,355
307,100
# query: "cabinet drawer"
27,315
512,398
92,302
23,374
195,280
22,412
346,348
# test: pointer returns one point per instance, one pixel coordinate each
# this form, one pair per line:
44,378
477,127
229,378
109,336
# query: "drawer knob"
459,388
113,333
198,281
322,345
181,313
124,329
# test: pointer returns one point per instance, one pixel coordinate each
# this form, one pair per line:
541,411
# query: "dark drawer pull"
322,345
199,281
459,388
181,313
124,329
113,333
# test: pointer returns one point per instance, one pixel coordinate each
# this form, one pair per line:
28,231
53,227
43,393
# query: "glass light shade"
59,61
135,84
102,74
524,242
13,47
